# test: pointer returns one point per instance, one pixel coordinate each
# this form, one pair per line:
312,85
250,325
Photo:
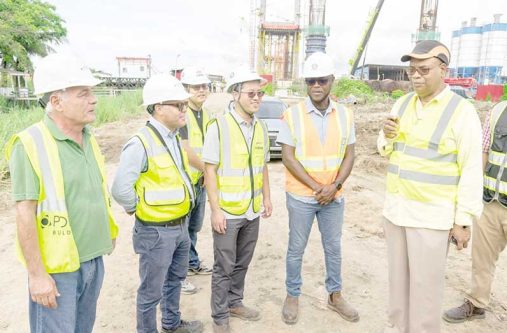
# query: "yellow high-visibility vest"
495,177
321,161
163,195
239,174
196,138
59,252
423,165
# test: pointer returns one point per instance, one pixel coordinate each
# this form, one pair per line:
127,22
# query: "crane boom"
366,36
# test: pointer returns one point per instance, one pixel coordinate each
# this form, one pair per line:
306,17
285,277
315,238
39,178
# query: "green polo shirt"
82,181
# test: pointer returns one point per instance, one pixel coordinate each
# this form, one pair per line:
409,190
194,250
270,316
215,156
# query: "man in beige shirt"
433,140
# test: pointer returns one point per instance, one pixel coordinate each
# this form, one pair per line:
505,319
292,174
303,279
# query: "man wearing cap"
192,139
236,150
434,179
63,215
153,183
317,138
490,232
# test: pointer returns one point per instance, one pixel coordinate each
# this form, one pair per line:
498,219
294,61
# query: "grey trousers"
233,252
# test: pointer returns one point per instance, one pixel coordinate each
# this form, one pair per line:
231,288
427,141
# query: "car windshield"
271,110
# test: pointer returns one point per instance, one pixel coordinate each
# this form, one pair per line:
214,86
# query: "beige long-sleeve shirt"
467,136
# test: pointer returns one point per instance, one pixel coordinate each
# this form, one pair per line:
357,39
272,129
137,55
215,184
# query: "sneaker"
466,311
188,288
194,326
201,270
245,313
337,303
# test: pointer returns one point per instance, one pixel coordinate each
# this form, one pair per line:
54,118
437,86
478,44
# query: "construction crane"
372,18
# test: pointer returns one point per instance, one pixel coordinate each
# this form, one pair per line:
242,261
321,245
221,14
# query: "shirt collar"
240,119
311,108
438,98
56,132
162,129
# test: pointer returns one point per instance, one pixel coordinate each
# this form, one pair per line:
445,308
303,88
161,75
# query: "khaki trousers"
488,241
416,258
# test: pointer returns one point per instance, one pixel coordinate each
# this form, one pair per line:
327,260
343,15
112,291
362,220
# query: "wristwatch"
338,186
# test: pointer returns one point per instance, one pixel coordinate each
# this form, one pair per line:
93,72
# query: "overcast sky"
214,34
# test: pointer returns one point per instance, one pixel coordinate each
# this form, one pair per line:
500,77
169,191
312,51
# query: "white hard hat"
163,87
194,75
318,64
59,71
242,74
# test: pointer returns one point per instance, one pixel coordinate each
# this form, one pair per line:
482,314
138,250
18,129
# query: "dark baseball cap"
429,49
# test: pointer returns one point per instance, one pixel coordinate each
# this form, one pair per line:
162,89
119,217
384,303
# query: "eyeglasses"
252,94
421,70
321,81
181,105
203,86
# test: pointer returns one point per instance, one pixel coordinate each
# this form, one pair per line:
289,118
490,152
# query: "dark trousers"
233,252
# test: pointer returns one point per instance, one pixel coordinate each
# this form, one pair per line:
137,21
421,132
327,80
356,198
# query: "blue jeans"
195,224
77,303
163,264
330,222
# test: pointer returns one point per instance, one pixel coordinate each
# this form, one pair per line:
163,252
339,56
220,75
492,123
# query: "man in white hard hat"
192,139
153,183
63,215
236,149
317,138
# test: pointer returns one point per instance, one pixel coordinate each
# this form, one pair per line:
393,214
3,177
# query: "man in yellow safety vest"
236,149
153,182
434,179
63,214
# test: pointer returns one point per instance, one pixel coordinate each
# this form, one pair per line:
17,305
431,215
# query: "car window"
271,110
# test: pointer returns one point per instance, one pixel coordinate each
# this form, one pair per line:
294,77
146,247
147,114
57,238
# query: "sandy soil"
364,268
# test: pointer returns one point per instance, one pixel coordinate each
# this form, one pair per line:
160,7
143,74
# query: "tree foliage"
27,27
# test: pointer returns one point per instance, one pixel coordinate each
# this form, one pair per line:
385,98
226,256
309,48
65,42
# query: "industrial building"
480,52
381,72
134,67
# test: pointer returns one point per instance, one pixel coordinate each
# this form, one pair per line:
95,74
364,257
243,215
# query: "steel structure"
427,22
317,31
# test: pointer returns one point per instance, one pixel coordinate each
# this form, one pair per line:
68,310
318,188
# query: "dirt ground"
364,266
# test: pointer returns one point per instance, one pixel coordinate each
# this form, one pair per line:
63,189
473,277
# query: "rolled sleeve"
284,135
211,147
468,139
133,161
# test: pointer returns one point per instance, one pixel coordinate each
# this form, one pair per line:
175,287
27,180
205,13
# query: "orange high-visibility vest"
321,161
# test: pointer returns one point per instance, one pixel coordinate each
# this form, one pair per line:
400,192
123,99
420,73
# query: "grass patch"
14,119
344,87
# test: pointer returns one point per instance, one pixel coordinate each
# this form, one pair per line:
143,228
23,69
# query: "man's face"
171,113
318,88
76,105
250,96
198,93
426,75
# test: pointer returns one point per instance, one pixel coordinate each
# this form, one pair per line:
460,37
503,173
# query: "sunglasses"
182,106
203,86
252,94
421,70
321,81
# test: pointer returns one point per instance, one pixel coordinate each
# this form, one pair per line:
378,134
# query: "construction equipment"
427,22
372,18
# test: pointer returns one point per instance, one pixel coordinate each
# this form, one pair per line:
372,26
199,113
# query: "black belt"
171,223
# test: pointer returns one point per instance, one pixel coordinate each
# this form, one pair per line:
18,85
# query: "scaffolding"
278,50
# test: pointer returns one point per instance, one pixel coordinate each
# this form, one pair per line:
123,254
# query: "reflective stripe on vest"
422,167
196,138
163,195
321,160
58,249
239,174
495,179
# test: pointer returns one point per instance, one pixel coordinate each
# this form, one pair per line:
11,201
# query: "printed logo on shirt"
57,224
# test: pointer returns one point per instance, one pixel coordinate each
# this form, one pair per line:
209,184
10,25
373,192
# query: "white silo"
455,41
493,51
469,50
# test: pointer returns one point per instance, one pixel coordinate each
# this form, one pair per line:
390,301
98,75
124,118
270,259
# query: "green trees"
27,27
